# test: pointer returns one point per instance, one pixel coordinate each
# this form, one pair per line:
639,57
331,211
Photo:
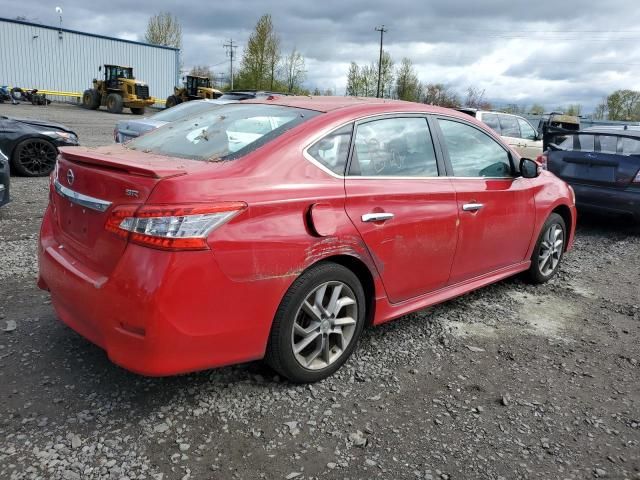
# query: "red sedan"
279,228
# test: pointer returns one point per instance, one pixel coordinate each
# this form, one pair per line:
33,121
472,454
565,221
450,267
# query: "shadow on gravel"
610,225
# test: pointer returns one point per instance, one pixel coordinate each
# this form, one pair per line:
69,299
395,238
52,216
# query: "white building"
51,58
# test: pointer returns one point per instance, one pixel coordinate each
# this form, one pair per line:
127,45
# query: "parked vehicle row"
277,228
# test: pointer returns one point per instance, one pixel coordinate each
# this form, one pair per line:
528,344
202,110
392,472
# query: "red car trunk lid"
88,184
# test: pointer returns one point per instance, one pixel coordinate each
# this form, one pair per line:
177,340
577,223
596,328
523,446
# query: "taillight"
542,160
171,227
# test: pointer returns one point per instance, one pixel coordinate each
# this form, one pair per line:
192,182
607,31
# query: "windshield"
184,110
224,133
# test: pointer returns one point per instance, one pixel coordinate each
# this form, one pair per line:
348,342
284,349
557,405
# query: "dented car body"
175,262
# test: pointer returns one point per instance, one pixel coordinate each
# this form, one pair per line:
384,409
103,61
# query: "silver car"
127,129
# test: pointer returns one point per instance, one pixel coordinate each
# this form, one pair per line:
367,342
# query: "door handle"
377,217
472,207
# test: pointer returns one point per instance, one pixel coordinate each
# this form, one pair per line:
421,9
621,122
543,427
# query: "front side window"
509,126
473,153
332,151
394,147
526,131
224,133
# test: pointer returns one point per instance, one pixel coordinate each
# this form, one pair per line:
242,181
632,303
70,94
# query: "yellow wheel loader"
118,90
195,88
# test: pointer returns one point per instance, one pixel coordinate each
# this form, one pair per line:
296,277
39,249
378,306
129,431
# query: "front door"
532,146
405,213
495,205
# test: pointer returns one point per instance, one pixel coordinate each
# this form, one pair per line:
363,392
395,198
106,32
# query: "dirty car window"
225,133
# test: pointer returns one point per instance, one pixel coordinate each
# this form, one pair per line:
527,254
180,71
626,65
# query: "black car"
32,145
4,179
602,164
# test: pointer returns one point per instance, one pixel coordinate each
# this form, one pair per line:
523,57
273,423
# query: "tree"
329,92
317,92
536,109
475,99
164,29
600,112
354,81
260,57
407,83
386,83
624,105
294,70
574,109
369,80
439,94
201,71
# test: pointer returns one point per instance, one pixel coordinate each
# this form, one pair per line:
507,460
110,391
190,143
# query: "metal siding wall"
71,63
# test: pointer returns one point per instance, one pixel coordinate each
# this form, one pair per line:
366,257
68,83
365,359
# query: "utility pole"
382,31
231,53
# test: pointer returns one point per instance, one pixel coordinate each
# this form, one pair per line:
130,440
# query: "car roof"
328,104
626,130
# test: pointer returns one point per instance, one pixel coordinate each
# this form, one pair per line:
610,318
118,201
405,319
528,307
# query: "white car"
516,131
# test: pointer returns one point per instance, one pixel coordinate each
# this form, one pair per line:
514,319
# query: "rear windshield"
184,110
224,133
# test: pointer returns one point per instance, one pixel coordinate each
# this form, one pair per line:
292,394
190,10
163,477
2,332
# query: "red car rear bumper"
163,315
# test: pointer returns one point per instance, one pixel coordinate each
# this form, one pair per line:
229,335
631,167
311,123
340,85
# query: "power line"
231,52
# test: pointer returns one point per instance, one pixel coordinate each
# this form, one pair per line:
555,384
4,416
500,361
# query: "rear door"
510,132
405,212
597,159
496,208
531,145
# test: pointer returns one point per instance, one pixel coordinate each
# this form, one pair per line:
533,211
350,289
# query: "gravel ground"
510,382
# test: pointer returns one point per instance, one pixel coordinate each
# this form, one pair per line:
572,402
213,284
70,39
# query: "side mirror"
528,168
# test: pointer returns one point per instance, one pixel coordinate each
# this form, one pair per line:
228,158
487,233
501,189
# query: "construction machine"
118,90
195,88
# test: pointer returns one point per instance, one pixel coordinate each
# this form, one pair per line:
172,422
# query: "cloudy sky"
553,52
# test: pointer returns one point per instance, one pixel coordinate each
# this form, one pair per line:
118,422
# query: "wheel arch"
364,274
565,212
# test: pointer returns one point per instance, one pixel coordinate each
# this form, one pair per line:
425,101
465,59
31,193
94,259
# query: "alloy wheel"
551,249
324,325
37,157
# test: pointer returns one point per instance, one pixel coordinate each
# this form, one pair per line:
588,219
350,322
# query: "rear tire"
549,249
114,103
172,101
90,99
137,110
318,324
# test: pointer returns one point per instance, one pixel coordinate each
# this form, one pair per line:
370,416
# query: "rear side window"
579,143
509,126
184,110
630,146
399,147
225,133
491,120
332,151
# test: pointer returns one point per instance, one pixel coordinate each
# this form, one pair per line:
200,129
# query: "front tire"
34,157
549,250
114,103
318,324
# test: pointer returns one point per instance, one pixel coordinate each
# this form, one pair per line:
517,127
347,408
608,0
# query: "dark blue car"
602,164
